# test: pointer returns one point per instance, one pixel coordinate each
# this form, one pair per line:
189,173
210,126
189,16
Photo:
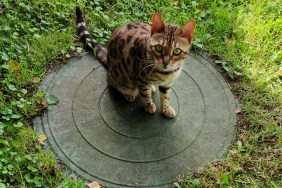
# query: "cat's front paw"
169,112
150,107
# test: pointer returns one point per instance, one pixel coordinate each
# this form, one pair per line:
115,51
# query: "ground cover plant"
243,38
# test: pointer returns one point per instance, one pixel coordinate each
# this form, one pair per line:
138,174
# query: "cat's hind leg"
126,88
128,93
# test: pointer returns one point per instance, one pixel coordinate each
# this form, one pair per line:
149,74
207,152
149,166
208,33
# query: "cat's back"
129,34
126,44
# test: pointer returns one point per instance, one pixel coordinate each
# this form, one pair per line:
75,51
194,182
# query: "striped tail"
88,40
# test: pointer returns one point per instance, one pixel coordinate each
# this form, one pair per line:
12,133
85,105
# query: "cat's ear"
187,31
157,24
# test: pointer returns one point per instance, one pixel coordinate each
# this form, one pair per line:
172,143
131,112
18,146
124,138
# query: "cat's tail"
88,40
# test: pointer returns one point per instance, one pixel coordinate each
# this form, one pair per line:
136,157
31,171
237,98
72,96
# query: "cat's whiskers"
151,72
145,60
144,68
152,65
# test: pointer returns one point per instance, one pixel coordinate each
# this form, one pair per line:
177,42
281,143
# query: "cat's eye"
159,48
177,51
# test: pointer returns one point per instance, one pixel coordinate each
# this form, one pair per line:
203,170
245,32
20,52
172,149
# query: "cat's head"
170,44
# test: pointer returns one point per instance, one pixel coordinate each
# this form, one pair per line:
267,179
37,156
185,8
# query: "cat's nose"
165,62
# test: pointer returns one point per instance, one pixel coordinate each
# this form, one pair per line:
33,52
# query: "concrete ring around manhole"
104,138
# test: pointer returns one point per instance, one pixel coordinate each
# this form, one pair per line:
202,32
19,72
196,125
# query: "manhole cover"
102,137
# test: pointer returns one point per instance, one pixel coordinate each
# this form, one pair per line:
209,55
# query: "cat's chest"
163,78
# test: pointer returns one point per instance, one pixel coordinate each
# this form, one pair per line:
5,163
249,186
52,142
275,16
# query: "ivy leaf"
24,91
203,14
12,87
226,68
36,36
2,125
27,178
199,45
32,168
237,73
52,99
28,157
18,124
196,183
5,57
16,116
4,142
2,185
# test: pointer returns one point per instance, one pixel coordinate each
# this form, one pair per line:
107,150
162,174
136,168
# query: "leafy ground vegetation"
243,37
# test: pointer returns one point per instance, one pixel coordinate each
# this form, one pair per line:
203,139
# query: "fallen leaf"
45,104
94,184
238,110
14,65
1,10
175,2
42,104
243,136
41,138
217,173
73,176
176,185
200,170
279,73
230,42
36,80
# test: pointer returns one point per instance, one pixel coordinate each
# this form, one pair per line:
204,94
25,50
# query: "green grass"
244,37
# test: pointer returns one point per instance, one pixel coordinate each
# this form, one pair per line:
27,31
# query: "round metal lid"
104,138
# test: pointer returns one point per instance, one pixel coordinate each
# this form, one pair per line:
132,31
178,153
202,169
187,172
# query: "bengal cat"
139,56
